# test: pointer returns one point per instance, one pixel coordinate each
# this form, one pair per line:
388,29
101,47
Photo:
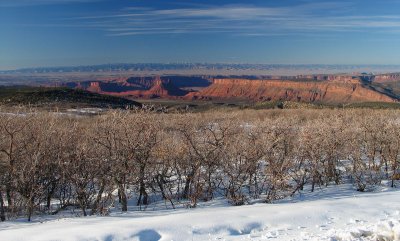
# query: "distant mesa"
344,91
144,87
387,78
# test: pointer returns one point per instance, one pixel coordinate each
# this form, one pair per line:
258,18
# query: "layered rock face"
334,91
387,78
165,90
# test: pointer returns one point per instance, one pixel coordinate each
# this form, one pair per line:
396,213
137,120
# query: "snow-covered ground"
333,213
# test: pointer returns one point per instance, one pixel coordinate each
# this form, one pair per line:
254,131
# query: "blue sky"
80,32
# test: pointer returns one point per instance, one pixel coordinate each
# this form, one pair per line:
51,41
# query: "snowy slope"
334,213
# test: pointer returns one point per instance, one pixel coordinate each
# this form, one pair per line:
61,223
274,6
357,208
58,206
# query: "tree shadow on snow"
148,235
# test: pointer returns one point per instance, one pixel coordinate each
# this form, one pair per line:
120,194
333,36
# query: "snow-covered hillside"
333,213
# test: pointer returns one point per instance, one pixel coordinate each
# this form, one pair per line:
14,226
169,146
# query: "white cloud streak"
246,20
20,3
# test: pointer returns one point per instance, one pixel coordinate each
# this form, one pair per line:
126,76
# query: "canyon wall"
387,78
334,91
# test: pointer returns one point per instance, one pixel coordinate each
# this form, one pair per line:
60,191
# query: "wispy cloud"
247,20
309,18
19,3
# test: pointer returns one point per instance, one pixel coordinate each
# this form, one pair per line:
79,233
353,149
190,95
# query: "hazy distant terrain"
208,69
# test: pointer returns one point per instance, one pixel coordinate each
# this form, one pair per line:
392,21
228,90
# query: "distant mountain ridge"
123,67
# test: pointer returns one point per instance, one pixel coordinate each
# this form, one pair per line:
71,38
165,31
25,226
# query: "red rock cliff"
335,91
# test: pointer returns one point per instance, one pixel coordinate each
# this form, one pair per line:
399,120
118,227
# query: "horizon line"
191,63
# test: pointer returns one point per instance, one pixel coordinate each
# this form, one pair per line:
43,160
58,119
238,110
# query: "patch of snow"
333,213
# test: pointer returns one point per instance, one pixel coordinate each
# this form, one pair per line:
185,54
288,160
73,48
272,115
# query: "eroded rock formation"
318,88
334,91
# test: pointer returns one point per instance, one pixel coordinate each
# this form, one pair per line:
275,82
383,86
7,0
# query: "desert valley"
323,89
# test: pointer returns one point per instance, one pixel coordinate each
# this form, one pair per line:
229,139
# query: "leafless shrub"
50,161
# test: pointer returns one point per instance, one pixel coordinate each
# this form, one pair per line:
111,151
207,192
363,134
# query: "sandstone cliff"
334,91
387,78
